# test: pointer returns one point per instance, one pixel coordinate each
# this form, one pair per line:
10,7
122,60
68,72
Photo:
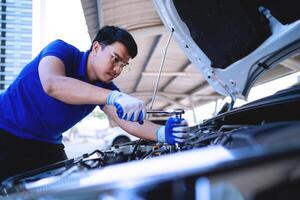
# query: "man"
60,87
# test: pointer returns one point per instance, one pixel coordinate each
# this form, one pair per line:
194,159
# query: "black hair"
110,34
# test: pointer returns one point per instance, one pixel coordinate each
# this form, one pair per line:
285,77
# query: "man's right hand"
128,108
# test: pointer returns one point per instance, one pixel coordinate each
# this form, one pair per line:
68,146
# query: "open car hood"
233,42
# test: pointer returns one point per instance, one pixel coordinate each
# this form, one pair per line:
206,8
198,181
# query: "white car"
116,135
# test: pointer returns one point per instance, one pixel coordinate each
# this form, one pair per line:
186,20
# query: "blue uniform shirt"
27,112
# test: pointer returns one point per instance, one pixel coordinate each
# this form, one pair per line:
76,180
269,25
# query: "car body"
247,152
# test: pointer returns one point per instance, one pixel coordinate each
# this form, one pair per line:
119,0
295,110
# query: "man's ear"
97,46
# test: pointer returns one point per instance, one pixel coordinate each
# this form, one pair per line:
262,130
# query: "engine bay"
232,130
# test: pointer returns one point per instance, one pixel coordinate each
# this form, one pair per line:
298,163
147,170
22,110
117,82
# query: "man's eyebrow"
123,60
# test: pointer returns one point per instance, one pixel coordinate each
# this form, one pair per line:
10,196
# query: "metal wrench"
177,112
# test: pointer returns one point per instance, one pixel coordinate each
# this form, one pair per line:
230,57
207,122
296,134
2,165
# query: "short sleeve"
60,49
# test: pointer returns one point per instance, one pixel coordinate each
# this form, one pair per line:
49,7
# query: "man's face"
107,62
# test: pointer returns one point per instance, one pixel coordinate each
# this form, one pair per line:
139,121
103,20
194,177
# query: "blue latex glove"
176,130
128,107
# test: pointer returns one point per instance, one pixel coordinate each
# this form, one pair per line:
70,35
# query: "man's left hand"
176,130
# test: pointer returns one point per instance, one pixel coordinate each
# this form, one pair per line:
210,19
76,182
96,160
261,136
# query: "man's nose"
117,68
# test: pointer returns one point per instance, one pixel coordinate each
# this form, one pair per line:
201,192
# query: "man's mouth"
113,76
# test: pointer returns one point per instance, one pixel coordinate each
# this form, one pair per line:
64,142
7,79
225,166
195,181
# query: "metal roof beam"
190,92
148,31
152,49
173,78
170,101
149,94
189,74
92,15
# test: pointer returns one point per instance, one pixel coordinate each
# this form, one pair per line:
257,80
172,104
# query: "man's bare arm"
145,131
69,90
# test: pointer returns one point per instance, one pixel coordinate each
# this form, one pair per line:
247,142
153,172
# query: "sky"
59,19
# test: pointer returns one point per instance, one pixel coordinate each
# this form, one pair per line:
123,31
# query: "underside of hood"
233,42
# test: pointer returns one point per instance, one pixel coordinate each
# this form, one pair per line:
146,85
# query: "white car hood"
233,79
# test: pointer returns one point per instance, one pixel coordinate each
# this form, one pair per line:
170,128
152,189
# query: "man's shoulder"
63,50
59,43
